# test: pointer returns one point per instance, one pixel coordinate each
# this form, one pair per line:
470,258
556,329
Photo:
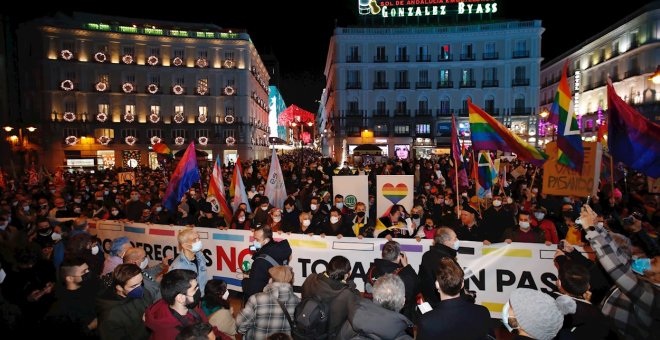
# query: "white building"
628,52
402,84
106,88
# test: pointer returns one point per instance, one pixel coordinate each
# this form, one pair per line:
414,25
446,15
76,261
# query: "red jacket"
164,325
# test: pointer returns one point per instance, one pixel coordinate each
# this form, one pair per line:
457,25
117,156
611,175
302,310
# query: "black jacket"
427,271
367,320
407,275
495,222
279,251
455,319
338,294
588,322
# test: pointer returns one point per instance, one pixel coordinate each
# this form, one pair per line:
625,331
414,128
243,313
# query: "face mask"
85,277
539,215
144,263
523,225
56,236
427,187
334,219
497,203
639,266
306,223
277,219
600,224
313,206
261,192
134,198
264,208
415,216
509,200
76,210
106,192
3,275
309,182
567,200
101,199
136,293
159,209
340,205
225,296
256,244
3,226
457,244
114,191
289,210
114,212
196,297
360,214
95,250
241,219
77,200
505,317
197,246
46,231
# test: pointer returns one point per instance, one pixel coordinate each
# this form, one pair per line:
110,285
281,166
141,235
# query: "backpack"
310,321
371,280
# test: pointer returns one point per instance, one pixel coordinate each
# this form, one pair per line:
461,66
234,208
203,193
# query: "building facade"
627,52
104,89
401,85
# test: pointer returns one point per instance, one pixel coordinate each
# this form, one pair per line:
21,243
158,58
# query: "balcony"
462,112
492,111
402,85
446,57
381,85
380,113
521,111
353,59
520,54
402,58
467,56
401,113
424,58
354,113
423,85
353,85
490,83
445,84
490,56
443,112
635,71
520,82
380,59
468,84
423,112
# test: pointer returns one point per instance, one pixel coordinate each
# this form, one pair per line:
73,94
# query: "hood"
369,318
324,287
280,251
279,290
444,251
158,317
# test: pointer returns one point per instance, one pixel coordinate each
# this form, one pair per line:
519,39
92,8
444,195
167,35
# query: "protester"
533,314
215,305
191,257
445,245
268,253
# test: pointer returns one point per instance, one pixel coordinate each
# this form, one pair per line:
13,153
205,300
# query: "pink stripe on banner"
163,232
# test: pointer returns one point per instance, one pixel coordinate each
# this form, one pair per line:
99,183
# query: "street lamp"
19,143
655,77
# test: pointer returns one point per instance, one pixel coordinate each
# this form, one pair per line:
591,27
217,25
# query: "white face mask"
509,200
277,219
95,250
313,206
56,236
334,219
26,208
505,317
225,296
523,225
497,203
159,209
539,215
144,263
197,246
241,219
457,244
264,208
306,223
600,224
340,205
289,210
115,212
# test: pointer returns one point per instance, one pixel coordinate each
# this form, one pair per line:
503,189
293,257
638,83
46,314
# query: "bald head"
134,255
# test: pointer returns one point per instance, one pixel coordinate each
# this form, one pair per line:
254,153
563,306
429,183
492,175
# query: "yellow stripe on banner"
493,306
308,244
507,252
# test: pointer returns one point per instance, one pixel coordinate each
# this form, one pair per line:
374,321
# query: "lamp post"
19,143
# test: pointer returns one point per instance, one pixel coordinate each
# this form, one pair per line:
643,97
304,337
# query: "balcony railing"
402,58
445,84
490,83
402,113
380,113
381,85
402,85
380,59
353,59
423,112
490,56
520,82
354,113
468,84
443,112
424,58
446,57
353,85
632,72
521,111
423,85
521,54
467,56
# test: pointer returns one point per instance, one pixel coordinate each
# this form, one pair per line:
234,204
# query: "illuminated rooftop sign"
425,8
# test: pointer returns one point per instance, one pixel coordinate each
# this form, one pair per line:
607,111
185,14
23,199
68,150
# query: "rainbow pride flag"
161,148
489,134
569,142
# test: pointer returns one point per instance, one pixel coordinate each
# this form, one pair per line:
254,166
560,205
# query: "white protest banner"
126,176
353,188
393,189
492,271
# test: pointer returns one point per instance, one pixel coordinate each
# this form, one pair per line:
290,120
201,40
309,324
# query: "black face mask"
85,278
415,216
570,214
196,298
46,231
360,214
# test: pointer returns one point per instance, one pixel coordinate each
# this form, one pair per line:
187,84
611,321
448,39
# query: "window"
401,106
353,54
381,105
445,106
402,76
519,102
70,75
381,77
423,76
129,108
353,76
423,105
129,50
178,109
229,55
443,75
104,78
129,78
70,106
521,45
231,82
202,86
353,106
69,132
154,79
490,73
154,132
423,129
423,53
402,129
104,108
229,110
489,106
381,53
155,109
465,106
467,53
179,80
178,133
155,51
445,52
489,47
128,132
202,54
179,53
201,133
402,53
520,73
380,130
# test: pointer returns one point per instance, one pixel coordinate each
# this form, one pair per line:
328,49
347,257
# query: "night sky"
302,62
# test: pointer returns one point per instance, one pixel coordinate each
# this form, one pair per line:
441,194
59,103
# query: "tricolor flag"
275,189
184,176
217,191
161,148
569,142
489,134
237,188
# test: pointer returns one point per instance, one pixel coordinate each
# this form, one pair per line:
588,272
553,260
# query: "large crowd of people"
58,278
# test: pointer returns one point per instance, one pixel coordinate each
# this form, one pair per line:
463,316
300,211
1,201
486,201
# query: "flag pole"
475,166
458,210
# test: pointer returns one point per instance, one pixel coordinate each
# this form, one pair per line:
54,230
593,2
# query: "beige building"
104,89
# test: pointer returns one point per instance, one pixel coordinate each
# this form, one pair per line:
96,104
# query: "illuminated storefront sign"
424,8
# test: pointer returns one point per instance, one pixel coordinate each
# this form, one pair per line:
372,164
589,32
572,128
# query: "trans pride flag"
185,175
489,134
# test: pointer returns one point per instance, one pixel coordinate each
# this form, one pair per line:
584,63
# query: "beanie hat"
281,274
117,245
537,313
